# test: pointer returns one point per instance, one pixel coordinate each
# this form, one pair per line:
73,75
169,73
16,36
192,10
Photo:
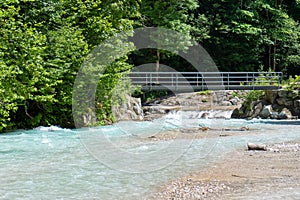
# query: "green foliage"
252,96
248,34
237,94
44,42
152,95
42,46
266,79
204,92
174,15
204,100
292,83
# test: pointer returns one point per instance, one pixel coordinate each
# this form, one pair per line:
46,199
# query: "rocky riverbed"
243,174
273,173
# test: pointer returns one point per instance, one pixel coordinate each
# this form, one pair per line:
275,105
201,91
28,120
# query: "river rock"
225,103
280,101
275,115
259,147
257,108
266,112
282,93
285,114
297,103
235,101
129,110
236,113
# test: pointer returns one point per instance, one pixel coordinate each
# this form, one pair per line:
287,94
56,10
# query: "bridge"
197,81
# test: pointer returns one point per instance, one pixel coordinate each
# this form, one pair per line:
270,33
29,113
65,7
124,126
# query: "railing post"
176,81
151,81
279,78
228,80
202,80
253,81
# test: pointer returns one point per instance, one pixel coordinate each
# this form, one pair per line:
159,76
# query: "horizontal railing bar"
201,80
205,72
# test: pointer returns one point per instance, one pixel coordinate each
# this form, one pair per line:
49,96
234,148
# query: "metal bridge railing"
206,80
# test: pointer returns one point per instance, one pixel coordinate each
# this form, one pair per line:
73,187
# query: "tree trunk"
157,63
269,57
274,56
157,60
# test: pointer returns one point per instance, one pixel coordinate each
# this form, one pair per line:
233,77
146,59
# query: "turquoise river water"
55,163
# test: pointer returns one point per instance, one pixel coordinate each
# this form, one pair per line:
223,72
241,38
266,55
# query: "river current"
55,163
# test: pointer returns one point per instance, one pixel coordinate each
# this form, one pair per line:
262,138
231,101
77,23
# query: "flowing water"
54,163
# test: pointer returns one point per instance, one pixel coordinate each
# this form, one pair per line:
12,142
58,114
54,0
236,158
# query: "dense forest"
44,42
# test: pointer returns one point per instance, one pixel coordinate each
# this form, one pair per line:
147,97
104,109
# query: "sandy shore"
243,175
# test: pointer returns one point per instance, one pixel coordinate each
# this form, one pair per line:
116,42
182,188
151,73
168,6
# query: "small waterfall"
203,114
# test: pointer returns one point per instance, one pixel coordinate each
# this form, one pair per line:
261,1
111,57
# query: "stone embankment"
134,109
277,104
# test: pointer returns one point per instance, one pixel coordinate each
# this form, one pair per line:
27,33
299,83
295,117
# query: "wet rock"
274,115
266,112
204,115
285,114
235,114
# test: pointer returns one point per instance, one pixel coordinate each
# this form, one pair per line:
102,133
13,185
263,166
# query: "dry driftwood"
259,147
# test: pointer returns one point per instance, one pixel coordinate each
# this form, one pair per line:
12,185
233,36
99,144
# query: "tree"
248,34
172,15
43,44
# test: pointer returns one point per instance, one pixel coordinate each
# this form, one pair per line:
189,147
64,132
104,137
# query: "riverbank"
243,174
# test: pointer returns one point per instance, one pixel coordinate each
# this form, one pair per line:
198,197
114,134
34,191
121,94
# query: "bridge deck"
196,81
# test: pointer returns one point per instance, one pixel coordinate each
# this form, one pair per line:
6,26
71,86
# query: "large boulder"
236,113
257,109
129,110
266,112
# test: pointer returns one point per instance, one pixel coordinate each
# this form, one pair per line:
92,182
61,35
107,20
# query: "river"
119,161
